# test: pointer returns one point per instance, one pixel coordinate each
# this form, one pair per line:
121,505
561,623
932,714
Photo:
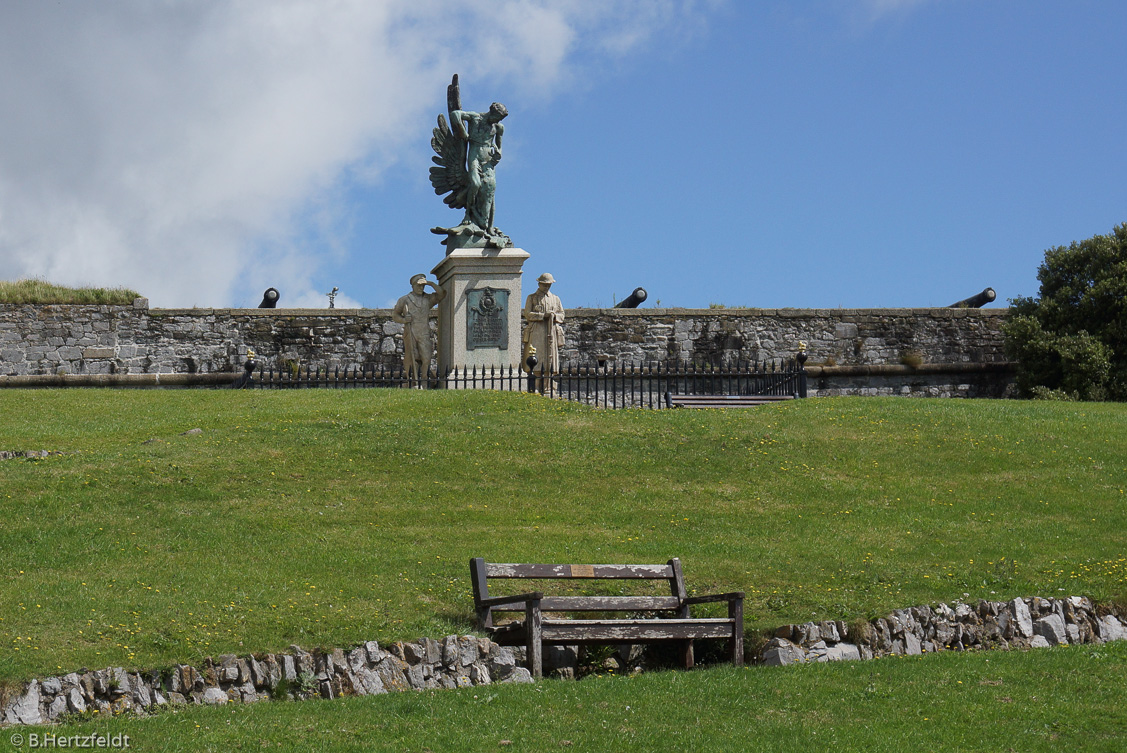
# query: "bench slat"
647,572
579,631
698,398
725,401
600,604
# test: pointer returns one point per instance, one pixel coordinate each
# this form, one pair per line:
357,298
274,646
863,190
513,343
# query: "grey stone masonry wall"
912,352
1020,623
123,340
138,340
466,661
454,662
834,337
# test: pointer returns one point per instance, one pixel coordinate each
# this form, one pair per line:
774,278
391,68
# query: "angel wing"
450,176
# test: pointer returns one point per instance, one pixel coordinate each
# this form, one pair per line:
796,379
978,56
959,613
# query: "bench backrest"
481,571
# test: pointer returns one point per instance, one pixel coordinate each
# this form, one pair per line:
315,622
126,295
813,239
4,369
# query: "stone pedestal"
479,320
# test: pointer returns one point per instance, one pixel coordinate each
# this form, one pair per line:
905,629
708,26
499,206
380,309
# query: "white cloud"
172,146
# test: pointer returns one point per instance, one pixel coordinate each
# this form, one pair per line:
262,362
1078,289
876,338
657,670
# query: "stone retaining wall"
464,661
834,337
1021,623
365,670
127,340
139,340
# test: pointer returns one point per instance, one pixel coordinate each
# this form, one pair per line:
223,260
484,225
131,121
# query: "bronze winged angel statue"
468,150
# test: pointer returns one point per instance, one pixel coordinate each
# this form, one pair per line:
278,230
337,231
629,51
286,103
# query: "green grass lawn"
324,518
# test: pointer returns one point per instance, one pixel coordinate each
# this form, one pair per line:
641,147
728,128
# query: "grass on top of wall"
328,517
43,292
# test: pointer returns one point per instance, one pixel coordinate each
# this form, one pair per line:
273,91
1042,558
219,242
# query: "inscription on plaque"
583,571
487,320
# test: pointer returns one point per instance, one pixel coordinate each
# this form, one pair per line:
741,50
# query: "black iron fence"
338,378
647,385
606,386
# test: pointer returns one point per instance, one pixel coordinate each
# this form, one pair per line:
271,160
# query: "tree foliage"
1071,341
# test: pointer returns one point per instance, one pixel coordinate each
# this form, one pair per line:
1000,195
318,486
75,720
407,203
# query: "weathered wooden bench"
535,630
722,401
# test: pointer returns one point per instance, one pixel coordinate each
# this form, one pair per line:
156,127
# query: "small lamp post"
247,377
801,360
531,362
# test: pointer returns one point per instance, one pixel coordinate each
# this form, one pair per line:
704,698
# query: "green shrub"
1057,366
912,358
1072,339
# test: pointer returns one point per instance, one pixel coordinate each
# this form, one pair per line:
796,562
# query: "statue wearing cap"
543,316
413,312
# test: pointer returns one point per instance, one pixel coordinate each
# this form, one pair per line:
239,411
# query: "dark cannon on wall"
633,300
269,299
975,301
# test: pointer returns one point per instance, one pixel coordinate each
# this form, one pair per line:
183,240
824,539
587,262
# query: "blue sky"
826,153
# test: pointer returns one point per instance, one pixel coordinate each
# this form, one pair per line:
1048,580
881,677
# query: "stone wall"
465,661
833,336
843,344
455,662
926,380
917,352
136,339
1020,623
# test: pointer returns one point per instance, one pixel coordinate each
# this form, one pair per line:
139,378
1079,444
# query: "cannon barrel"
975,301
633,300
269,299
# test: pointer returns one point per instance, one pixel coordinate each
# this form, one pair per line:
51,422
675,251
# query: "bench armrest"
497,601
733,596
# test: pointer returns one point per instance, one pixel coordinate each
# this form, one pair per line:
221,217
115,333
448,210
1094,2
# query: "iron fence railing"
606,385
647,385
340,378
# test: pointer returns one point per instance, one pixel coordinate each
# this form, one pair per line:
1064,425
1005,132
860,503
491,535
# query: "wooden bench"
722,401
535,630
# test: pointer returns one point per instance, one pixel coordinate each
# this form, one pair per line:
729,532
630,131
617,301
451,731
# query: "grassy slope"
327,517
330,517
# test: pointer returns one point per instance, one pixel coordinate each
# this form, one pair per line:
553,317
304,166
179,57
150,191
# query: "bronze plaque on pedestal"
487,318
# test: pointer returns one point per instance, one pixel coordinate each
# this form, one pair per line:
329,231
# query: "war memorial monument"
479,317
